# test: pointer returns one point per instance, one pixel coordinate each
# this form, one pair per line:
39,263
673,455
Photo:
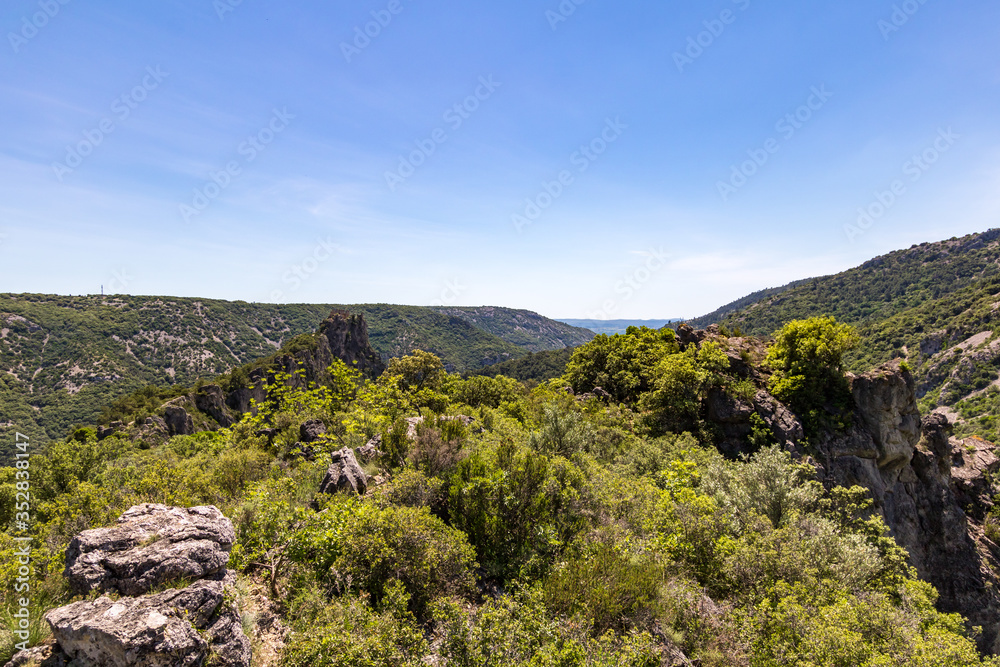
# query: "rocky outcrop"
153,546
908,466
931,489
150,546
178,421
346,338
370,450
177,627
345,475
312,431
211,400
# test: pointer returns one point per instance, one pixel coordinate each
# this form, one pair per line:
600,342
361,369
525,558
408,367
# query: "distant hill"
63,358
611,327
523,327
937,305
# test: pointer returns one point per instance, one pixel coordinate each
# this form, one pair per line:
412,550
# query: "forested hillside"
63,358
522,327
933,305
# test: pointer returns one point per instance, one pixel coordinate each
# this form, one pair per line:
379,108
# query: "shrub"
348,633
516,506
374,546
609,587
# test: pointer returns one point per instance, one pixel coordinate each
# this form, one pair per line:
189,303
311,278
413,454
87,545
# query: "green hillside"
62,358
934,305
537,366
881,287
522,327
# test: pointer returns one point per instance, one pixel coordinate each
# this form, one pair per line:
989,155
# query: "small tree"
807,360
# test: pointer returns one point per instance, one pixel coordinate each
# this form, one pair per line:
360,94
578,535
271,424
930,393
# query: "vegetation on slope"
933,305
536,366
551,531
63,358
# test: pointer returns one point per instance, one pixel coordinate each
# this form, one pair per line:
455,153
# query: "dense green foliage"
807,358
548,530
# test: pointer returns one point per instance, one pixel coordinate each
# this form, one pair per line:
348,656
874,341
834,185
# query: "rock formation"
921,481
345,474
152,547
930,489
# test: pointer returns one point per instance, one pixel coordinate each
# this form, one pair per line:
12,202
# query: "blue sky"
588,170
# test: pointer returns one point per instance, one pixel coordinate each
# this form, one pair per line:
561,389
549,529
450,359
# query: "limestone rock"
150,546
371,449
212,401
345,474
175,628
784,425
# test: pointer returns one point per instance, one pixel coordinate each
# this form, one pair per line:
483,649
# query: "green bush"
371,547
516,506
612,589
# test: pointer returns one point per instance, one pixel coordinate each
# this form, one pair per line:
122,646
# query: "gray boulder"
345,474
151,545
175,628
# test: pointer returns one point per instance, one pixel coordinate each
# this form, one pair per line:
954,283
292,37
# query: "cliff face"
933,490
930,488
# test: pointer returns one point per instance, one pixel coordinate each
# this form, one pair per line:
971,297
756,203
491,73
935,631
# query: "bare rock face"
346,338
150,546
175,628
911,471
345,475
178,421
212,401
974,465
